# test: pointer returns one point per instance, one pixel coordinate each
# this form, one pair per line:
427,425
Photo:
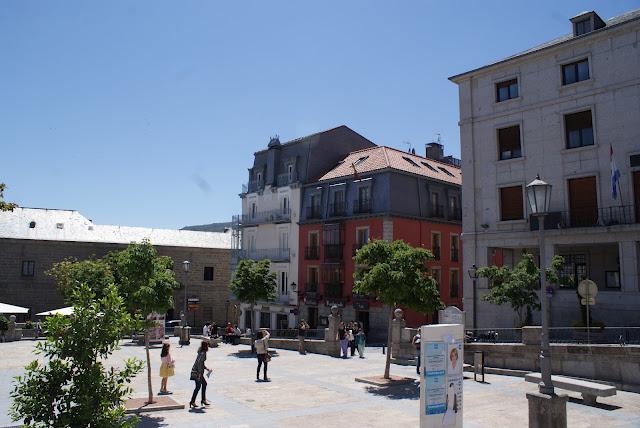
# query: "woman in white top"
262,350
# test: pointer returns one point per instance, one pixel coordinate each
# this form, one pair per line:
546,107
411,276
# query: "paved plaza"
320,391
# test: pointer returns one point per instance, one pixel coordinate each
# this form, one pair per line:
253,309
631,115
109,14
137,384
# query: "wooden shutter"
509,142
511,203
583,201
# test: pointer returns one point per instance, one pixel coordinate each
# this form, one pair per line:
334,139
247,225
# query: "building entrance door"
312,318
282,321
363,318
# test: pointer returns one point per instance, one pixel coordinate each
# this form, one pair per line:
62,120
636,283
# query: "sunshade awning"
62,311
6,308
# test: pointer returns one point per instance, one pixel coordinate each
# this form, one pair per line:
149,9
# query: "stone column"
397,325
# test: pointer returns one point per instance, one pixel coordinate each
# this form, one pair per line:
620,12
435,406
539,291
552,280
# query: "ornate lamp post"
473,274
186,266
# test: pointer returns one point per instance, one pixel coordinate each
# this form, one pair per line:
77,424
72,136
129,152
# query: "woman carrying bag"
197,375
262,350
166,367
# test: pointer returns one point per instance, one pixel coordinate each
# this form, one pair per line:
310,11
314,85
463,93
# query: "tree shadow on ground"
410,391
248,354
147,421
603,406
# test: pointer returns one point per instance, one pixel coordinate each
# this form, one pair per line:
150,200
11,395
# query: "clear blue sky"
147,113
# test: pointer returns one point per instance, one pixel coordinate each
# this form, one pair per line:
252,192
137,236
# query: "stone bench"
590,390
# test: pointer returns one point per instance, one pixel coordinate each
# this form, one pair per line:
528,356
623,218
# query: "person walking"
302,331
344,340
360,342
166,367
197,375
416,342
352,338
262,351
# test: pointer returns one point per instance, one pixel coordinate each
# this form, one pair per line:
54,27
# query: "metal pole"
588,323
475,317
545,386
185,296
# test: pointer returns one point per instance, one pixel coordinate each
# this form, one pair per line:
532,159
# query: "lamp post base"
547,410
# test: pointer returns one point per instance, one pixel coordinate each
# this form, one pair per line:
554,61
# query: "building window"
290,172
283,284
254,210
506,90
362,238
208,273
575,72
583,27
455,248
265,319
575,267
28,268
446,171
511,207
453,283
259,179
509,142
285,204
411,161
436,275
360,160
312,280
579,129
429,166
435,245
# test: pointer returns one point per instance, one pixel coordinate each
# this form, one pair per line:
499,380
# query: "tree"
72,387
5,206
519,285
146,283
96,273
397,275
254,282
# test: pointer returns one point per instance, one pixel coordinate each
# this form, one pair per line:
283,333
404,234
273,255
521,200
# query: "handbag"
195,375
267,357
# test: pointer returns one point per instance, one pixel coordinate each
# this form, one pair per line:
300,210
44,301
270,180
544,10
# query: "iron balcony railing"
333,251
314,212
455,215
494,335
595,217
333,290
273,254
337,209
280,215
436,211
597,335
311,287
362,206
312,253
455,254
436,252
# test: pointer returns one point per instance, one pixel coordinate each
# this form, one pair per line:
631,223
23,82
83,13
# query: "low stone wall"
313,346
619,365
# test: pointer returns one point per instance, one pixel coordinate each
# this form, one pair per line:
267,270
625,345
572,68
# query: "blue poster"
435,378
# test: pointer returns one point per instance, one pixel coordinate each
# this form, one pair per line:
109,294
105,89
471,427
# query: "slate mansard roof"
381,157
71,226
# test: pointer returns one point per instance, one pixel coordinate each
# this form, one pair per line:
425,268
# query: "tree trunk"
253,330
387,364
146,346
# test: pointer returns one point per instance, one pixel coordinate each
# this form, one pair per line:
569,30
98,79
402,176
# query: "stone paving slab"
319,391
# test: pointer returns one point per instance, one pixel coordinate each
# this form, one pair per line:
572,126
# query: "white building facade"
557,110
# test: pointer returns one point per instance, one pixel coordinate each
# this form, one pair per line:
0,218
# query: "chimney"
434,151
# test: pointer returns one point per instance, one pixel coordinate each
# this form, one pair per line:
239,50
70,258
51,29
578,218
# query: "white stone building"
557,110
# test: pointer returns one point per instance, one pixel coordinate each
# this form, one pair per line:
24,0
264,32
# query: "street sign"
590,301
587,288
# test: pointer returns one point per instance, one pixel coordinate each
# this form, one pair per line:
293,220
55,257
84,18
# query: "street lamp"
186,266
473,274
539,196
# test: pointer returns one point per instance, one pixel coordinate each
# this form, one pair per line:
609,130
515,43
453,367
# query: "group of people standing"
351,336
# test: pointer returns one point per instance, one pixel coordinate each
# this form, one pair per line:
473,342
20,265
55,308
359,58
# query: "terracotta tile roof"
381,157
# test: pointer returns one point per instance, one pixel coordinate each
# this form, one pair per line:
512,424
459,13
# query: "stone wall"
617,364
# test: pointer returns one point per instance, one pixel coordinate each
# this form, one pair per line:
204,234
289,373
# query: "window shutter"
511,203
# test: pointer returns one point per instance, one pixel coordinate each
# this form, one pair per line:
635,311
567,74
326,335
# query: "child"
166,368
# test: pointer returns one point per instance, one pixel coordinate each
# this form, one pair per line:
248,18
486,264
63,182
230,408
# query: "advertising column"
442,353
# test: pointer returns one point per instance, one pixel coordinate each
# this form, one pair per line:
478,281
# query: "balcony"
262,217
314,212
436,211
311,287
587,217
333,290
284,179
455,215
312,253
455,254
436,253
362,206
273,254
333,251
337,209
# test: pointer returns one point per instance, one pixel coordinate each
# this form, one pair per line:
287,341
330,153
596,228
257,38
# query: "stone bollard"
331,333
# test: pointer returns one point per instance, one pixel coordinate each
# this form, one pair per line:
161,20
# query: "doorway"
312,318
363,318
282,321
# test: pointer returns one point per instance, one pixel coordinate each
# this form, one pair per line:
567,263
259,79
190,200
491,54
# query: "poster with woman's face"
454,362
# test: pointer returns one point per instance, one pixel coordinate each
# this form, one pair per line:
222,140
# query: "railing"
494,335
292,333
333,290
595,217
333,251
311,287
284,179
273,254
455,254
436,253
337,209
273,216
362,206
314,212
436,211
455,215
452,161
597,335
312,253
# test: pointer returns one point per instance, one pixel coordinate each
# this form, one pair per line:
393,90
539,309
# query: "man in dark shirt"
302,330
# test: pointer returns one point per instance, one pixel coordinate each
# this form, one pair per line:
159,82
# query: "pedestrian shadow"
147,421
603,406
248,354
407,391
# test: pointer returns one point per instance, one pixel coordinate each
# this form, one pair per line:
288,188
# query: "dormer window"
411,161
586,22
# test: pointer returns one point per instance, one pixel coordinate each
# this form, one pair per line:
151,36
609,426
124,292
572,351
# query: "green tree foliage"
397,275
73,387
254,282
94,272
146,283
5,206
519,285
4,323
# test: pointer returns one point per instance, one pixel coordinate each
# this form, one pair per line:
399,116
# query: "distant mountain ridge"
220,227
